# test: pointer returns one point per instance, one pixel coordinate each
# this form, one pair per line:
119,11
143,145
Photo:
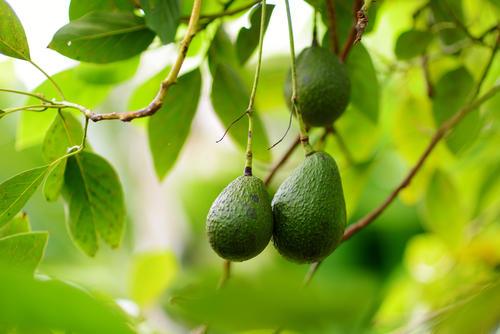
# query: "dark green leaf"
50,304
451,93
13,42
65,132
412,43
103,37
162,16
16,191
19,224
96,205
32,125
448,11
365,91
79,8
169,128
229,98
107,74
23,252
248,38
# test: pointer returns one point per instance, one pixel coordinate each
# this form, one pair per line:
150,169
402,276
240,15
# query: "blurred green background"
429,264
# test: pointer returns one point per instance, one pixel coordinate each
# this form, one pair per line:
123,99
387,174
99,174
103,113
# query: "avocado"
309,210
323,86
240,221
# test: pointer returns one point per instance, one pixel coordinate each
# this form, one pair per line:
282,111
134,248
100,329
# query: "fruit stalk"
251,103
304,138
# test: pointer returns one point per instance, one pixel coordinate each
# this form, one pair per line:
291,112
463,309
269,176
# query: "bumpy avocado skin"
323,86
309,210
240,221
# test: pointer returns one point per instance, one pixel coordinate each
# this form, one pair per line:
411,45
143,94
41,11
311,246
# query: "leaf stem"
251,103
304,138
36,96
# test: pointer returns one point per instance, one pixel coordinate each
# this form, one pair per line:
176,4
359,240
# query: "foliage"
424,77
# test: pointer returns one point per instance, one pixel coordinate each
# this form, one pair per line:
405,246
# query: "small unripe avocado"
309,210
323,86
240,221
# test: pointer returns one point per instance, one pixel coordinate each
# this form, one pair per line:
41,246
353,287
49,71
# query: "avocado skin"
309,210
240,221
323,86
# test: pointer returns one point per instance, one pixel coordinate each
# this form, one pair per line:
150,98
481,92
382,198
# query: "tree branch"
332,26
359,25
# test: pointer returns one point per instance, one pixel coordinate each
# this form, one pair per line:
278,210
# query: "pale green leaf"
16,191
162,16
152,273
96,204
107,74
19,224
103,37
22,252
13,42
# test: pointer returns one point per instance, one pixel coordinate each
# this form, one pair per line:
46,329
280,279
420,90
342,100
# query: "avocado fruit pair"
306,217
323,86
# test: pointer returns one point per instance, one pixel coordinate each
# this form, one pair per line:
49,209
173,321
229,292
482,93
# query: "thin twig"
427,76
332,26
354,32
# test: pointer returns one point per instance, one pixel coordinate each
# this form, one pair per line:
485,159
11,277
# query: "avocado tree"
369,162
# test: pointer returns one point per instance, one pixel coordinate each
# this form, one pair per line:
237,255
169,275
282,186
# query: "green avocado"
240,221
309,210
323,86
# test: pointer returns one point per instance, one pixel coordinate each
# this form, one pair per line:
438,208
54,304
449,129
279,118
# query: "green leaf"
152,273
229,98
103,37
50,304
13,42
65,132
222,51
19,224
248,38
444,212
412,43
451,93
32,126
169,128
107,74
365,91
23,252
448,11
16,191
96,205
162,16
79,8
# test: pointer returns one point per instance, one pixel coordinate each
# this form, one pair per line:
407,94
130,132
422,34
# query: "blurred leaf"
477,313
152,273
222,51
169,128
32,126
451,93
443,210
96,205
65,132
354,180
16,191
448,11
365,92
145,93
13,42
23,252
248,38
229,98
107,74
162,16
412,43
19,224
51,304
103,37
271,299
79,8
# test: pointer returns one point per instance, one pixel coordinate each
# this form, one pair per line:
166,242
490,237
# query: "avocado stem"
304,137
251,103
